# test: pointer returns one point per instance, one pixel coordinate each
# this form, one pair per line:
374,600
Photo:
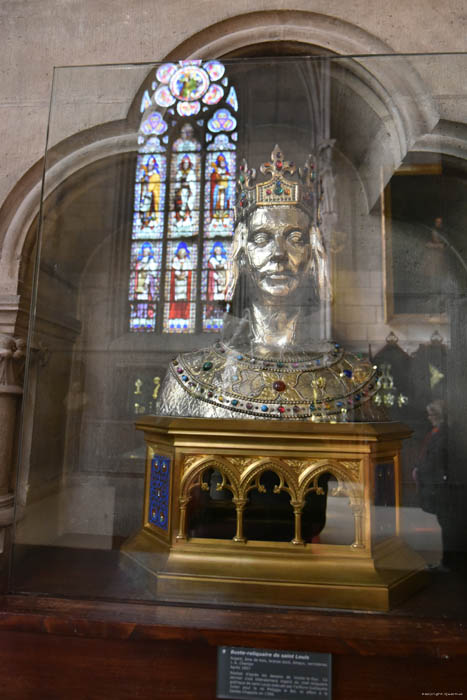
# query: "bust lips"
277,280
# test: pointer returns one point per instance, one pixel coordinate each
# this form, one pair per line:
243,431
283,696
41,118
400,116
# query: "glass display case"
303,333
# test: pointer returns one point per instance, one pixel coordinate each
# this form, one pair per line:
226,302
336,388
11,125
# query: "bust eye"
296,238
260,238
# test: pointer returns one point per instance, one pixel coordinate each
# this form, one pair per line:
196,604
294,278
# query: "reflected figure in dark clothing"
431,475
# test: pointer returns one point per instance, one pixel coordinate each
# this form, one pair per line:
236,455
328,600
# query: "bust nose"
279,250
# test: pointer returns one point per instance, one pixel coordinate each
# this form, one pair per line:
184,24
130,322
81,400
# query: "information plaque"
268,673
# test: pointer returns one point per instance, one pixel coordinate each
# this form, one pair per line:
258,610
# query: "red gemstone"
268,191
279,164
279,385
281,409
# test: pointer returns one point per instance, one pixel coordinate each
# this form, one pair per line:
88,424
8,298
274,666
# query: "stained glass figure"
149,195
154,124
184,198
164,97
213,283
189,83
150,178
232,99
220,200
185,185
188,109
222,121
213,95
144,284
180,276
219,194
215,69
216,266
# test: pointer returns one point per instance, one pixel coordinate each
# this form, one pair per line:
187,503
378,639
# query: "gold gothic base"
228,460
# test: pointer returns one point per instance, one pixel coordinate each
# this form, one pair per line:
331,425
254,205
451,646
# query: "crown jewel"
278,189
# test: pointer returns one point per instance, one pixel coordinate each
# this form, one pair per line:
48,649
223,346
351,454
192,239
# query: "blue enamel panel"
159,490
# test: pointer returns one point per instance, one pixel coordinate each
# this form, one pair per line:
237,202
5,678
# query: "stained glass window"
184,199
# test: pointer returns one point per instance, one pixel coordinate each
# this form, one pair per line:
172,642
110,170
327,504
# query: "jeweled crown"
278,189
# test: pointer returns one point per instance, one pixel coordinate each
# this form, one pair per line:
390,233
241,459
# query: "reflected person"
431,476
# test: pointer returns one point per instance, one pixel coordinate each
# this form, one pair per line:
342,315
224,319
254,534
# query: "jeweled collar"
321,386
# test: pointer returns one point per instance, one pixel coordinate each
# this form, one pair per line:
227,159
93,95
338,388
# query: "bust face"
278,250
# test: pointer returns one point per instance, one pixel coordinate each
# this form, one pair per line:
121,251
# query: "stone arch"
320,32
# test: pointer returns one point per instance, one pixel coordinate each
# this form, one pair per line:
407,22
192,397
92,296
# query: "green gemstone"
207,366
278,189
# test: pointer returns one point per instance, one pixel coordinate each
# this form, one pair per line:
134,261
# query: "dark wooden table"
77,626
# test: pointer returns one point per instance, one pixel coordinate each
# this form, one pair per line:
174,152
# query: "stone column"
12,359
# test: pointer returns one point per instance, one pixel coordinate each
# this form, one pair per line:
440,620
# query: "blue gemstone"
318,362
357,397
264,407
239,357
234,402
312,407
184,377
339,404
347,373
